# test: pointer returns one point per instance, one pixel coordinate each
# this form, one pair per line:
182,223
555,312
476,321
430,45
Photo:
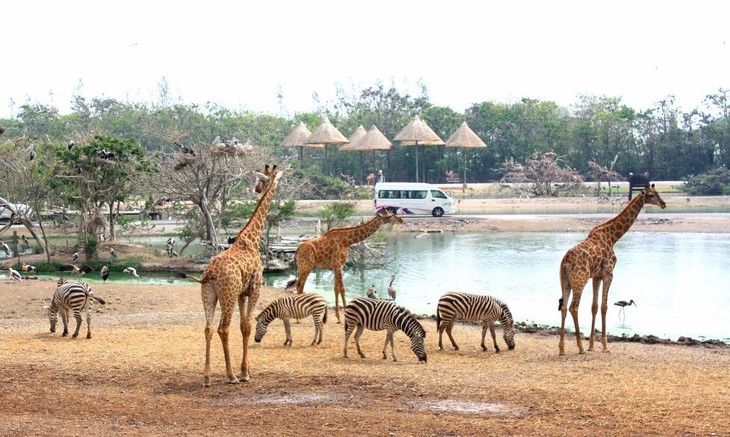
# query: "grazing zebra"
297,306
73,296
376,315
474,307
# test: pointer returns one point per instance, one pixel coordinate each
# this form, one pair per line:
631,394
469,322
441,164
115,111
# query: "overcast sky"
240,54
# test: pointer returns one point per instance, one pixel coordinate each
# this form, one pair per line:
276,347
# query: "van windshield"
438,194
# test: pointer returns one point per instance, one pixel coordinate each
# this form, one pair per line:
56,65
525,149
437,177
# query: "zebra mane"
410,316
506,313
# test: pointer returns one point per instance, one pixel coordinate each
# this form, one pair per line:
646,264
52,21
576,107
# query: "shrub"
714,182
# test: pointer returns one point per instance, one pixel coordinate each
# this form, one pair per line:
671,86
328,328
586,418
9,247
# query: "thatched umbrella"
354,138
297,138
326,134
372,141
418,133
465,138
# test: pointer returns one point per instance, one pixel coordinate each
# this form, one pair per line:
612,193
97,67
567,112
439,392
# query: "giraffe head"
389,217
652,197
269,176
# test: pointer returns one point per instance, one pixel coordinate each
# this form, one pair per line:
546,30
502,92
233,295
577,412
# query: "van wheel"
437,212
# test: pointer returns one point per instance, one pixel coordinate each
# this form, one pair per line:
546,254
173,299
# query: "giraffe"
594,258
237,275
330,252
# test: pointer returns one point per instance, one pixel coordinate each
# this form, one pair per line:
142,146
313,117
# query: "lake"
678,280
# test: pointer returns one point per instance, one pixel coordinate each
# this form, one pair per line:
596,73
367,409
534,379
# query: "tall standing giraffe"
236,275
593,258
330,252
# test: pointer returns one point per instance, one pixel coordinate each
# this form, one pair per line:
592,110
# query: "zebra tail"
438,319
183,275
98,299
324,318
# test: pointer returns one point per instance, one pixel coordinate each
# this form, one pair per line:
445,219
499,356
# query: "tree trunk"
112,232
209,225
17,219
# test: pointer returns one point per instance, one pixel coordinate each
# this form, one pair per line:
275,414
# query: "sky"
242,54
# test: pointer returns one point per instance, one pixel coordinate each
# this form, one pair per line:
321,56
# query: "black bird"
105,154
2,130
70,145
231,240
104,273
31,152
623,304
185,149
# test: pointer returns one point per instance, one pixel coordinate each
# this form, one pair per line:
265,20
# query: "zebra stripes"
298,306
474,307
73,296
377,315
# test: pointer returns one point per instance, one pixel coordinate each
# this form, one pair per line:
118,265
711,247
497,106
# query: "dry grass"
142,373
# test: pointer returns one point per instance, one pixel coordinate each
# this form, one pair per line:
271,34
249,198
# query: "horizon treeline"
664,140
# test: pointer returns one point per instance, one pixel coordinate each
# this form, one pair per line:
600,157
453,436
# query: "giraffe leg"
302,279
339,291
594,310
451,337
358,334
224,328
255,291
287,329
484,334
574,312
565,285
608,278
210,300
494,337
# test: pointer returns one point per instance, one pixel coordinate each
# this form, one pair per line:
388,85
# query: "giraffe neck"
250,235
615,228
355,234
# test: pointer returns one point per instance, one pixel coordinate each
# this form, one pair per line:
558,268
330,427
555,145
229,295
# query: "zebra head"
508,326
417,344
261,326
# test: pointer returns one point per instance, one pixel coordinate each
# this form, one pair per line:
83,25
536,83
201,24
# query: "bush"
715,182
336,212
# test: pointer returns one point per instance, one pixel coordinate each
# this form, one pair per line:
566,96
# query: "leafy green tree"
336,212
711,183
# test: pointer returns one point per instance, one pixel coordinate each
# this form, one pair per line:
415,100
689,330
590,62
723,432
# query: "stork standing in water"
372,294
5,248
622,312
114,253
391,290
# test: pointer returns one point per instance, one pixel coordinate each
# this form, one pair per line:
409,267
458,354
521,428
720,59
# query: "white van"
412,198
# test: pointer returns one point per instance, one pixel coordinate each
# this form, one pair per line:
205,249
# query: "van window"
419,194
438,194
389,194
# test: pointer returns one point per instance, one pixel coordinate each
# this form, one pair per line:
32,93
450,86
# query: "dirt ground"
141,373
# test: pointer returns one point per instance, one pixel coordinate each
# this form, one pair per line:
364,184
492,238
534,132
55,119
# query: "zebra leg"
210,300
358,334
392,347
441,328
287,329
317,329
88,320
451,337
64,319
494,337
594,310
348,331
484,334
77,316
385,346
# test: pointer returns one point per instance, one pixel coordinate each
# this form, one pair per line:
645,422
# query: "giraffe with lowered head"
594,258
330,252
236,275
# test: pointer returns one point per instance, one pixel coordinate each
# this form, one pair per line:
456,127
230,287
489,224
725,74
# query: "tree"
27,182
102,171
542,171
336,212
600,173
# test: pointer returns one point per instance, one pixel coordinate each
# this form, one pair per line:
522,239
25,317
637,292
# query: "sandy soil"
141,373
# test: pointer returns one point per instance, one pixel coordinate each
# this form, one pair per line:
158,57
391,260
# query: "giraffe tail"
183,275
564,285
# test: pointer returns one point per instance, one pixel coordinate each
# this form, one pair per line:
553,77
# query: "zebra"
474,307
297,306
377,315
73,296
